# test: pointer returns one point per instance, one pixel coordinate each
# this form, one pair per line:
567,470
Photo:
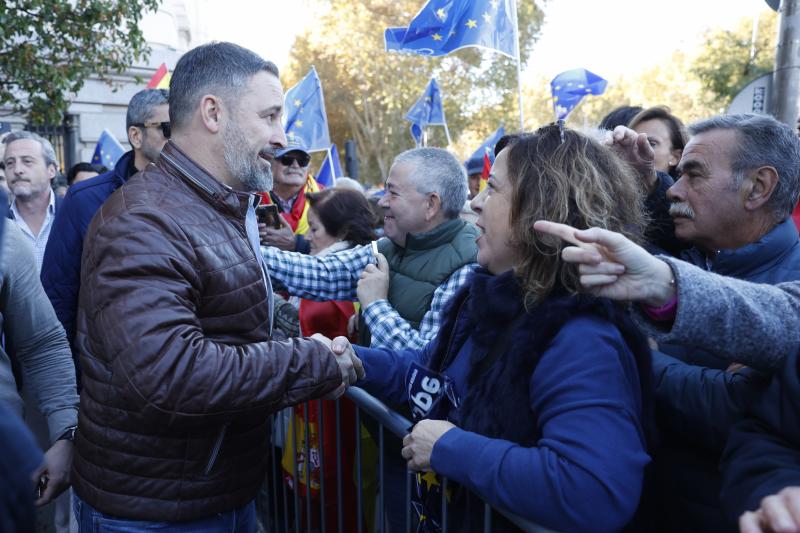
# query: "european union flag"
570,87
443,26
330,169
487,148
427,111
304,115
108,150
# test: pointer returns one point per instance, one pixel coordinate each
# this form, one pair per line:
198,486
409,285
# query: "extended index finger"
556,229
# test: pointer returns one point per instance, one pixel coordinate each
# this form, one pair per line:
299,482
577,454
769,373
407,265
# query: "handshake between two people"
350,366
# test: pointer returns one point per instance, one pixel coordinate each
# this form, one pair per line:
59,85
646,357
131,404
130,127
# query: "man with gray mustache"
739,181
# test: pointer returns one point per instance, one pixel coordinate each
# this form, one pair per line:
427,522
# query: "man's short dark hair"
143,104
619,116
762,141
218,68
83,167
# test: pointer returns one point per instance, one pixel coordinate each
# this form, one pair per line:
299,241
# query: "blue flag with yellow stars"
304,114
331,169
108,150
443,26
427,111
570,87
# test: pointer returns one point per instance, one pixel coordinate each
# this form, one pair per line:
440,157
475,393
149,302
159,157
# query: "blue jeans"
90,520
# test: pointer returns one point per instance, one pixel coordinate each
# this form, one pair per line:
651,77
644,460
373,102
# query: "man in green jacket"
427,254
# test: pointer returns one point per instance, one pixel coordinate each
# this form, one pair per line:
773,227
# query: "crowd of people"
597,338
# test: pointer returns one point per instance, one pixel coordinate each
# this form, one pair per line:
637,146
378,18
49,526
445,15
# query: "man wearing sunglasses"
291,184
148,127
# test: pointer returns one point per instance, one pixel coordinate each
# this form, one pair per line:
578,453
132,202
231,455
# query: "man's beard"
28,190
242,165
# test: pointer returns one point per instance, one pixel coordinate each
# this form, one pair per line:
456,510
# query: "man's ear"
52,171
211,112
433,207
135,137
759,187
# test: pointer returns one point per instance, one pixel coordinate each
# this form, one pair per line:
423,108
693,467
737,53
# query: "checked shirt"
335,277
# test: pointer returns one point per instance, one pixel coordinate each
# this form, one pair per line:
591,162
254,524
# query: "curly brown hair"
564,176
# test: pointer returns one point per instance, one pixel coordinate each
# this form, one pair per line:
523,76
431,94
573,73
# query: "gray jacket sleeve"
750,323
34,336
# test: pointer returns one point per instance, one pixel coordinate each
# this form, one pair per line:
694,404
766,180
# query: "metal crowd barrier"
282,509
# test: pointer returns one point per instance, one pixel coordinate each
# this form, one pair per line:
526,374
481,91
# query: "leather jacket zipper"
215,450
187,175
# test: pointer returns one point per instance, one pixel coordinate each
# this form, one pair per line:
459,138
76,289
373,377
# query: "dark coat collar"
751,259
175,162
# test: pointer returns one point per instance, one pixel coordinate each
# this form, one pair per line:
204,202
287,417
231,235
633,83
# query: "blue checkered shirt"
335,277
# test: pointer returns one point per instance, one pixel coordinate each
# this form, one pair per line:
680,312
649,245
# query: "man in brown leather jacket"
175,317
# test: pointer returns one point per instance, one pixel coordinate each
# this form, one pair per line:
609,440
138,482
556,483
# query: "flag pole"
519,67
333,169
447,132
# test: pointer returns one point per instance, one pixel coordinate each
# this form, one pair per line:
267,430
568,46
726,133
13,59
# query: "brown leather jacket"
179,372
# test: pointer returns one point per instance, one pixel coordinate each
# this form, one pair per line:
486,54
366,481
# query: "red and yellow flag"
487,169
160,79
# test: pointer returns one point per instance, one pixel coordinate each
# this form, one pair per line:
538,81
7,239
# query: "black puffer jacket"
180,374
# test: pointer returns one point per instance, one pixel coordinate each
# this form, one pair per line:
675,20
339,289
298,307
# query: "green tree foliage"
725,64
49,47
368,91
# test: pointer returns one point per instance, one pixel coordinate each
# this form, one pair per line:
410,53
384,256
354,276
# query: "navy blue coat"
694,394
554,428
61,268
698,401
763,451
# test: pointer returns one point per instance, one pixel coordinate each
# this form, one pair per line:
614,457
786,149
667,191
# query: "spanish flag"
298,216
160,79
487,169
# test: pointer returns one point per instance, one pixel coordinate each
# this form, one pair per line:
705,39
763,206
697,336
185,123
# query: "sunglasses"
302,159
166,127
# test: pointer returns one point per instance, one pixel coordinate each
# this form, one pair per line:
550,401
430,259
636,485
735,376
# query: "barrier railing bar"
285,442
307,468
320,439
339,475
296,491
397,424
359,502
381,480
444,505
409,480
400,426
275,480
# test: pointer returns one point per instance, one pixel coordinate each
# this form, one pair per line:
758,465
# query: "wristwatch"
69,434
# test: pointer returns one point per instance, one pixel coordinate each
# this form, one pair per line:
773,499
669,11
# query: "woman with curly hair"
532,397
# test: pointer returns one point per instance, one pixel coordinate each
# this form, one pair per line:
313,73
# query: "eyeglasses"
166,127
302,159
